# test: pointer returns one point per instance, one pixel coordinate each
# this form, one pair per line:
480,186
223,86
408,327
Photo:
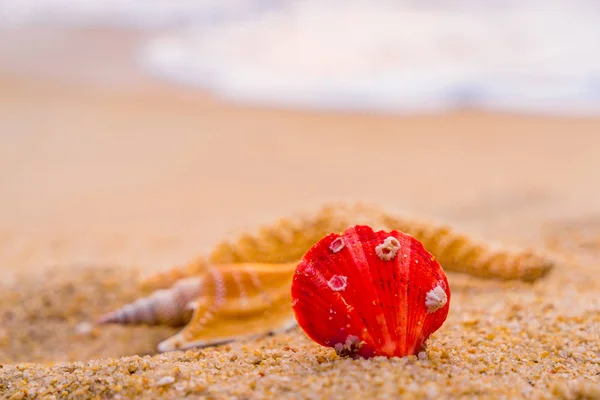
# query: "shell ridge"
402,278
399,316
363,257
359,257
313,275
383,264
312,279
339,296
414,325
431,321
405,271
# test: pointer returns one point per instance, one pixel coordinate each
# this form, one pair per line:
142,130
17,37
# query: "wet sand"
108,175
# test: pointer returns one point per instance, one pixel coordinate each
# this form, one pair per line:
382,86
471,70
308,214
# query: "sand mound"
501,339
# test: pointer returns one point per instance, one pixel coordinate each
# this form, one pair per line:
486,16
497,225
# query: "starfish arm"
288,240
461,253
166,279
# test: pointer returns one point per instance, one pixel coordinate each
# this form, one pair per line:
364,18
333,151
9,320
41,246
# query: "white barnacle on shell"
339,348
435,299
337,245
338,283
388,249
352,345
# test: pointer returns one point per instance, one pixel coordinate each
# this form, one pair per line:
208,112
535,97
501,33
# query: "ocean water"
532,56
140,14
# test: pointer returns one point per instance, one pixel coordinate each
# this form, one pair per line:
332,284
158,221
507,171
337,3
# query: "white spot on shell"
388,249
294,302
337,245
165,380
435,299
337,283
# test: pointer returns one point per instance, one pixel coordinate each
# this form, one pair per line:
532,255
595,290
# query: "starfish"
242,288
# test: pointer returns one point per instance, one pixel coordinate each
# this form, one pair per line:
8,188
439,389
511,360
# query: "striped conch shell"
173,306
242,289
223,303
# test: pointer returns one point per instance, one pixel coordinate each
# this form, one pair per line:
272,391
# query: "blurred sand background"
108,166
113,157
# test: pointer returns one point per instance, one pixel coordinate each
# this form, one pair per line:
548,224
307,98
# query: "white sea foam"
381,55
124,13
402,55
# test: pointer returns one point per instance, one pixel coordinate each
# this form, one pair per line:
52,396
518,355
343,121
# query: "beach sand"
108,175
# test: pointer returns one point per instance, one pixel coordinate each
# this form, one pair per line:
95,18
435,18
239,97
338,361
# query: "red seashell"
368,293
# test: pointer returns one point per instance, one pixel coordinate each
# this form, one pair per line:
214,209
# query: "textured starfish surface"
242,288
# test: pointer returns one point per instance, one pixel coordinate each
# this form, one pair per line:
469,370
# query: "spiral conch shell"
242,289
173,306
224,303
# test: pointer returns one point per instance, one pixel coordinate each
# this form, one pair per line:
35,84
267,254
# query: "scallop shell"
368,293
